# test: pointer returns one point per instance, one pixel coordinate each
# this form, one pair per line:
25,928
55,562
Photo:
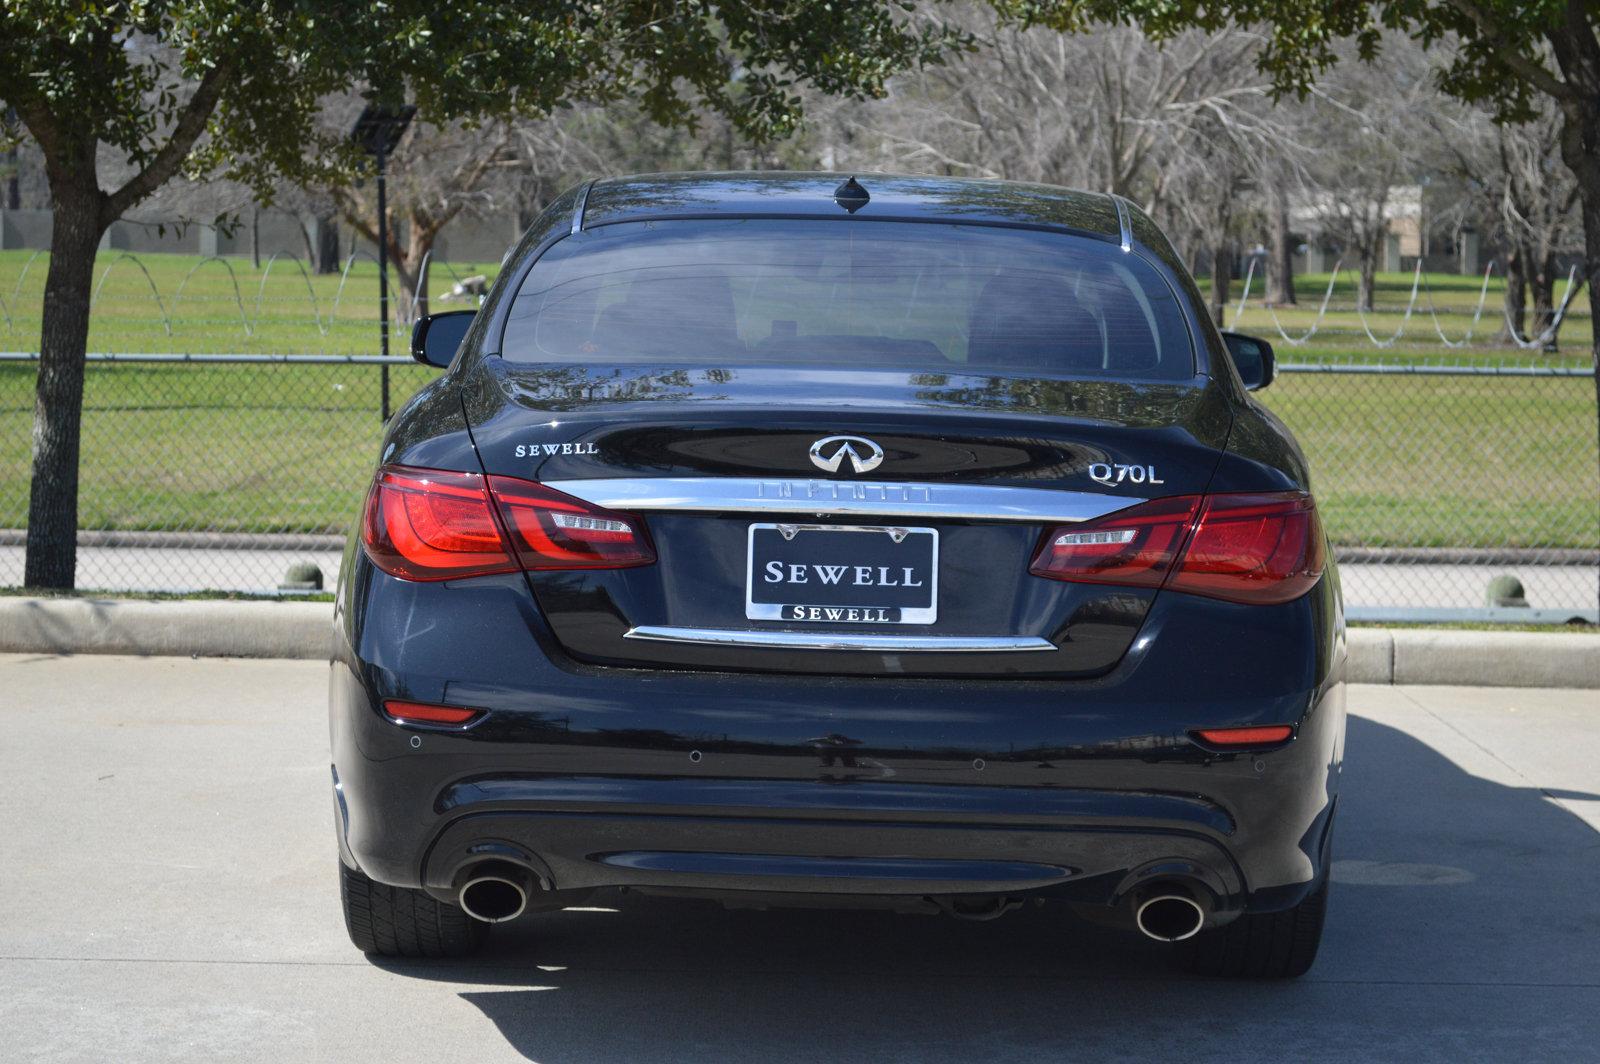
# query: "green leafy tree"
217,86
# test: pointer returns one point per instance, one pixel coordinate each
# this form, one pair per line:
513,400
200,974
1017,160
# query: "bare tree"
1186,127
438,174
1280,243
1095,110
1512,175
1538,206
1372,132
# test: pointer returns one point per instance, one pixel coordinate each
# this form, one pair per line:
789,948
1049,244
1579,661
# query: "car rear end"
709,578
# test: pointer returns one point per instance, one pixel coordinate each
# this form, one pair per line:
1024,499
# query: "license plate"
842,574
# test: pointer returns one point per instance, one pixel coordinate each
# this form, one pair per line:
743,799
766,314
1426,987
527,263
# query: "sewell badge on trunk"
842,574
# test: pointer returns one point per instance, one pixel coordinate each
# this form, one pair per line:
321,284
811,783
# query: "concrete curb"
200,628
1473,659
305,630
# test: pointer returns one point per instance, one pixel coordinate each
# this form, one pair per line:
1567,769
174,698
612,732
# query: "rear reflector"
1260,549
427,713
427,524
1261,736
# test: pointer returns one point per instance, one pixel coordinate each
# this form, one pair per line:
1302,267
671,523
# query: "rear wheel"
400,922
1278,945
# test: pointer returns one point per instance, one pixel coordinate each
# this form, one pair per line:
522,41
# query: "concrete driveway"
167,893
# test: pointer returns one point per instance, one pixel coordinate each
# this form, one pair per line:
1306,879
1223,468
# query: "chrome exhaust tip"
1169,915
495,891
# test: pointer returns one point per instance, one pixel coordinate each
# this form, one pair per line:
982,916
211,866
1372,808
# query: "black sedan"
794,539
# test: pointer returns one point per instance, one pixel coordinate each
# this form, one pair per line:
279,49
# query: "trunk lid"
970,473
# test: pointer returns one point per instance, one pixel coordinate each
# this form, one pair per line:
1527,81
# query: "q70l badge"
1110,473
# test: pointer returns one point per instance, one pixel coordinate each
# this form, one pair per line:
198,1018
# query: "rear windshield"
863,294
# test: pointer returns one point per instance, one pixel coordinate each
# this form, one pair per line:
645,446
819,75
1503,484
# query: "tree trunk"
1368,274
421,236
326,253
405,276
13,196
1280,258
1542,285
1516,302
1580,149
1221,271
419,250
1578,55
58,393
1589,190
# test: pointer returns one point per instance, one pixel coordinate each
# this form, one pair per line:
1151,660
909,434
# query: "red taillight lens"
550,530
1257,549
1266,735
426,524
427,713
1260,549
1135,547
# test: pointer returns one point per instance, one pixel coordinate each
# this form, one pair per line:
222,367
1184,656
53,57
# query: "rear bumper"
838,785
866,838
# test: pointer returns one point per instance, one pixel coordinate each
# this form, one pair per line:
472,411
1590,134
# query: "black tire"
1278,945
399,922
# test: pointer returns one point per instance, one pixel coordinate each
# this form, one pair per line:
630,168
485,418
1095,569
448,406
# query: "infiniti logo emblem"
828,454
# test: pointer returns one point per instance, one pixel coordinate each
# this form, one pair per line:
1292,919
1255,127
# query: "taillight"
1135,547
550,530
425,524
1260,549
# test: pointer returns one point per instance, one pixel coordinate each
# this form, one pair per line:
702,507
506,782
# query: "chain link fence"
1432,480
218,472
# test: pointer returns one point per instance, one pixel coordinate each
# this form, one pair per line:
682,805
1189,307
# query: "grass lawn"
1425,337
1398,461
259,448
1430,461
189,305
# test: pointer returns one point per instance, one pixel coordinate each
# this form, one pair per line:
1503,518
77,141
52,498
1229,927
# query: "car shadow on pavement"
1462,925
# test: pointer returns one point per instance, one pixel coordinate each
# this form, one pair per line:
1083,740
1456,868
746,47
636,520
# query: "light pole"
377,131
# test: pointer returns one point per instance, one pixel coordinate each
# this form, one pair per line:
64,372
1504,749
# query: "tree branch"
357,213
1536,74
191,123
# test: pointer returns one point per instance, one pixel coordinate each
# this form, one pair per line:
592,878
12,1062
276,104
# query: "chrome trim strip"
756,495
583,201
884,644
1123,222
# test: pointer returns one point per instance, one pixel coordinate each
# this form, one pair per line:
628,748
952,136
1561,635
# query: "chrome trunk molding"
831,498
883,644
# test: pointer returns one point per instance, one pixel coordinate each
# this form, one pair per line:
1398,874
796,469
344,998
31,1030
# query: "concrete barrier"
1371,656
1496,659
199,628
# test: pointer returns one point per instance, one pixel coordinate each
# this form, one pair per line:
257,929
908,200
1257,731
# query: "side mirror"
435,339
1253,358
